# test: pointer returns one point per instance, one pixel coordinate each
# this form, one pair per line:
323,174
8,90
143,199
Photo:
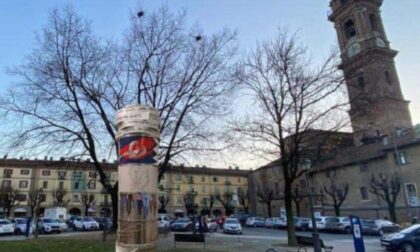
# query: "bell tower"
377,106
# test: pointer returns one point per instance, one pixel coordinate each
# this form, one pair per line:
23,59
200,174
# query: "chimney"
230,167
5,156
78,160
236,167
21,158
103,160
88,160
61,158
36,159
51,158
45,158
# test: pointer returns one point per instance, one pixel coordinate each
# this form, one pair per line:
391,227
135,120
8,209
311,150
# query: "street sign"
359,245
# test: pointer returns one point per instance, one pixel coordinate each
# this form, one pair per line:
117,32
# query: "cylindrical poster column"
138,134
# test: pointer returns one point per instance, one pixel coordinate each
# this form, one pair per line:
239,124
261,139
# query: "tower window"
361,82
373,23
388,78
350,29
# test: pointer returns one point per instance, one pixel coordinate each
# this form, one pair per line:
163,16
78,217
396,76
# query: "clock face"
353,49
380,42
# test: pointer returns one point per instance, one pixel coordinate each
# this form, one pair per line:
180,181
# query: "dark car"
182,224
104,222
407,240
301,223
369,227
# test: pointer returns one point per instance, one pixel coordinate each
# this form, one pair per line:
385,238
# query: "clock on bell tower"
377,106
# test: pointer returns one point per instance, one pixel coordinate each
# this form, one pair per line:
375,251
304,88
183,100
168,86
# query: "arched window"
388,78
361,83
350,29
373,23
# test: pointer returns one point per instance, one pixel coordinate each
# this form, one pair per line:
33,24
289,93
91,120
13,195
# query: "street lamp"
315,234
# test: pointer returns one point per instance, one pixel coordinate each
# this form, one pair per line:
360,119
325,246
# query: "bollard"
138,134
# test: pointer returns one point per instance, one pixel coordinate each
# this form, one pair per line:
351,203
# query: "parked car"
405,240
386,227
47,226
212,225
301,223
255,222
63,225
182,224
19,225
59,213
103,222
273,222
71,220
338,224
232,226
85,223
163,223
6,227
242,218
320,222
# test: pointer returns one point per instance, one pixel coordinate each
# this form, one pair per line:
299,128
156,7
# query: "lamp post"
315,234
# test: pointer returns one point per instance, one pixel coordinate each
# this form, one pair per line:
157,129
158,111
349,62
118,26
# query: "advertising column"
138,134
359,245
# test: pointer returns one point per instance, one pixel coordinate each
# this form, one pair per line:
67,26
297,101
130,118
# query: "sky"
254,21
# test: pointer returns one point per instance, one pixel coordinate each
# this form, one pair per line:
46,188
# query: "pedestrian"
28,230
414,220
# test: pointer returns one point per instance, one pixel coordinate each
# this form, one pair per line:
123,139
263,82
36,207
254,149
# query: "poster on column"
359,245
137,150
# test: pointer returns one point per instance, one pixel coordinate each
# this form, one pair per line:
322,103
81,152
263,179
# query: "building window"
178,188
76,198
46,172
190,179
411,193
364,193
45,184
238,191
178,177
163,177
363,167
203,189
61,185
7,183
61,174
330,173
203,179
388,78
23,184
277,188
343,2
42,197
215,179
373,23
239,180
350,29
92,174
7,173
76,185
178,200
400,158
24,172
91,185
361,83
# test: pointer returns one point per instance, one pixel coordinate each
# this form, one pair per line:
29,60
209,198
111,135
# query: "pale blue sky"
254,20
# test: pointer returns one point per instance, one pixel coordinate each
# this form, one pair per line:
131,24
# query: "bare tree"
207,204
59,198
293,96
266,196
163,202
297,197
337,194
387,187
9,198
226,199
189,202
34,201
88,200
72,84
244,200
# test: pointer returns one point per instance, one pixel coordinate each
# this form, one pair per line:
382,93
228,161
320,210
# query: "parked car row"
326,223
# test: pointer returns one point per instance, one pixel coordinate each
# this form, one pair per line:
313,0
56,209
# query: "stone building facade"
385,143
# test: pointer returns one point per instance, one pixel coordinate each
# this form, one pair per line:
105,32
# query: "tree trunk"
392,214
114,203
297,206
86,210
291,238
337,210
269,209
